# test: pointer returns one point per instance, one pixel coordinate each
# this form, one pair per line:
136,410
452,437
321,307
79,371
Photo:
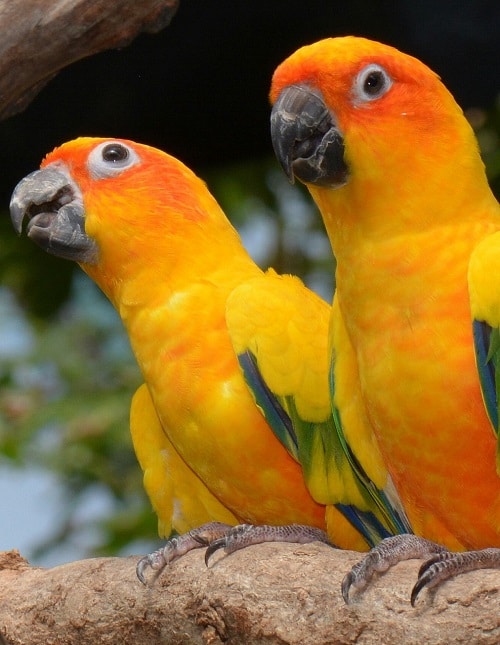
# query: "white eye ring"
371,83
110,158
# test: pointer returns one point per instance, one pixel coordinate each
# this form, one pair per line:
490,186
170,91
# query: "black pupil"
374,83
114,153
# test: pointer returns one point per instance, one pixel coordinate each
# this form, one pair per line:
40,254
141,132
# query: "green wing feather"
487,351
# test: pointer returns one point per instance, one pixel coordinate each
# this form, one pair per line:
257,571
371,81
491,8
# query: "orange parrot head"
354,114
109,203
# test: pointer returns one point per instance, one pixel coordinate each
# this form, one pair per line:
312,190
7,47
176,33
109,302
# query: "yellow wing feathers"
484,280
285,326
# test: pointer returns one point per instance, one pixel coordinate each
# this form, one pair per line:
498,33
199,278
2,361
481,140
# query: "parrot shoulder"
279,331
284,326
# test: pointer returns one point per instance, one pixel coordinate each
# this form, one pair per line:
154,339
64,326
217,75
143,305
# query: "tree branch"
270,593
41,37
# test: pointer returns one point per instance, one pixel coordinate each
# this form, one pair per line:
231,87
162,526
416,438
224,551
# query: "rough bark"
40,37
271,593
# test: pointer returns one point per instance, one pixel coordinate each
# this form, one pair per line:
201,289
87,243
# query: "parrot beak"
306,139
51,203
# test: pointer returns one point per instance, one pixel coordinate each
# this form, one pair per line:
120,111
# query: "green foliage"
278,222
64,406
41,282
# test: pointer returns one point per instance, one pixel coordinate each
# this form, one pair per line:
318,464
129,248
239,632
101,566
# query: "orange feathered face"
122,209
358,101
95,195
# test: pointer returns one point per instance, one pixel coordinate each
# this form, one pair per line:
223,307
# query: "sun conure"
395,170
234,422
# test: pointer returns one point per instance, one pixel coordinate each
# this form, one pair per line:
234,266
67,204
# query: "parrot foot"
180,545
448,564
243,535
385,555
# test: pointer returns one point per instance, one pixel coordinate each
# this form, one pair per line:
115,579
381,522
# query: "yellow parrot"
395,170
234,419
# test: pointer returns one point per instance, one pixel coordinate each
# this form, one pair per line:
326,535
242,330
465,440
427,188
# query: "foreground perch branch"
271,593
41,37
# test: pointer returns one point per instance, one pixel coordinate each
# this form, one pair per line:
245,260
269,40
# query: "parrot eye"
115,153
110,159
371,83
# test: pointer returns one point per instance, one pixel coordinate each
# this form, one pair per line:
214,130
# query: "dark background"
198,89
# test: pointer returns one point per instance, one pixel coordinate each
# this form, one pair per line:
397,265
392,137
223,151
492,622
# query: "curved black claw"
214,546
243,535
444,566
384,556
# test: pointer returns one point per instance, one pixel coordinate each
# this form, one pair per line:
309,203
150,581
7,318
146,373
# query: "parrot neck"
155,269
394,241
372,210
428,174
173,307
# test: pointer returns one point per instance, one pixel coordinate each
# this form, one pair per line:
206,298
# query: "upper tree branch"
40,37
